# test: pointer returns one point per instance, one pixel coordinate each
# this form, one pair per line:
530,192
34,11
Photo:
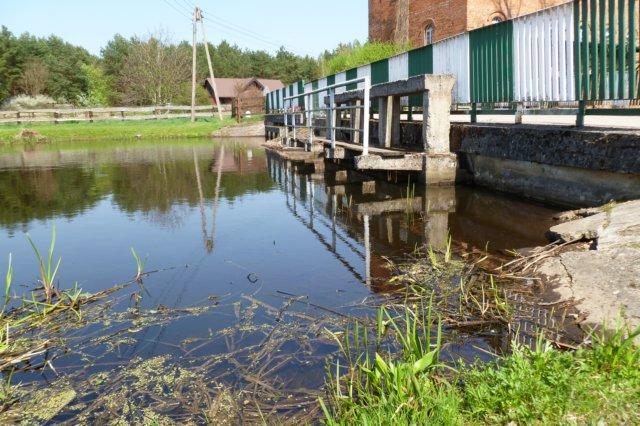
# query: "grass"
599,384
104,130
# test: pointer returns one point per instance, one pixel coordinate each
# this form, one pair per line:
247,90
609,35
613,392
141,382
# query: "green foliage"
99,91
353,55
75,76
65,82
592,385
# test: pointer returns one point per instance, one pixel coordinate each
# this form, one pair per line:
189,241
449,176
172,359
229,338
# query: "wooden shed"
245,95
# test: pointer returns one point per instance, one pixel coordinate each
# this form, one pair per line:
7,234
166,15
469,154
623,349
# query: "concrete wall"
566,167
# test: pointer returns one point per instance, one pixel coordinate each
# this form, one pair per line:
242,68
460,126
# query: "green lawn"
101,130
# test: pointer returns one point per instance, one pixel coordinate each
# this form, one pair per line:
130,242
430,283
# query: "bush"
353,55
25,102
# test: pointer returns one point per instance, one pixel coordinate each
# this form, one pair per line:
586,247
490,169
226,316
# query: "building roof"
227,87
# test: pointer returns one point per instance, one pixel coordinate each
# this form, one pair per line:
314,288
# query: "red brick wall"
482,11
450,17
382,20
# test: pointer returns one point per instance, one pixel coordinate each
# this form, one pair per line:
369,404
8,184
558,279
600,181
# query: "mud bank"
240,130
599,268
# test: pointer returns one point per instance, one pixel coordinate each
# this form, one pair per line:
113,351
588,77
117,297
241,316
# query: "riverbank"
592,385
109,130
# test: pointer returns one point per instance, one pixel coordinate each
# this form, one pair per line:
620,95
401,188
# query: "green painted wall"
352,74
380,72
492,63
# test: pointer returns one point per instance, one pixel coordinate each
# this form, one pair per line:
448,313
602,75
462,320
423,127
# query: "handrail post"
309,121
294,116
365,118
330,117
286,125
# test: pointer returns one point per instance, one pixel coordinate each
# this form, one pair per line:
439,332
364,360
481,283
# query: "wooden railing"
102,114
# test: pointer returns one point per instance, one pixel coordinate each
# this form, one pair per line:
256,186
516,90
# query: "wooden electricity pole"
193,68
211,76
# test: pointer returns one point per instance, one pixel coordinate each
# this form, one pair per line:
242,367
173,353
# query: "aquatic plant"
47,270
7,286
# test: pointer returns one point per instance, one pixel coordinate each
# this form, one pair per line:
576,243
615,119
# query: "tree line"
150,70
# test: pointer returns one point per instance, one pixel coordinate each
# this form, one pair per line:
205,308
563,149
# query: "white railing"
330,111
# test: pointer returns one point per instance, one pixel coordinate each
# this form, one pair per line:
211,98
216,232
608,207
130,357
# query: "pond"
251,257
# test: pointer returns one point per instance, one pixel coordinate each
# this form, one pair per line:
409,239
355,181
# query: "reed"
47,269
140,264
7,286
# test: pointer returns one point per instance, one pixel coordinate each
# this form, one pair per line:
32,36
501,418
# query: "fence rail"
578,52
53,115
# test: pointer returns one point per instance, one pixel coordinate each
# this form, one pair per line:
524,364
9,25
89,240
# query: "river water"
242,242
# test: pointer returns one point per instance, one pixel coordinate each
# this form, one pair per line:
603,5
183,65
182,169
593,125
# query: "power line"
180,11
240,31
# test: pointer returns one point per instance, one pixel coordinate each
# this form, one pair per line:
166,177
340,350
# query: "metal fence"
296,120
578,52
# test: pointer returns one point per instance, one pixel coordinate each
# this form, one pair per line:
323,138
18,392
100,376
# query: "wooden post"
206,48
193,68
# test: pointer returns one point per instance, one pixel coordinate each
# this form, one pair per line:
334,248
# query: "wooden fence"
106,114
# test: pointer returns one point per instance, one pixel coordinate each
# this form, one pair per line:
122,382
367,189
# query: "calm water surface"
226,225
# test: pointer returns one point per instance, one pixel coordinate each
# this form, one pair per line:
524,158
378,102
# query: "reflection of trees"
31,194
152,186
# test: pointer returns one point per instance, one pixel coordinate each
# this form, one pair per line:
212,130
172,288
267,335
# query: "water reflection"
243,231
153,180
348,212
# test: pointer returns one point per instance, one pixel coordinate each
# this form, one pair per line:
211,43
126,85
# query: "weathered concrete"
412,162
559,185
439,169
437,106
605,150
604,281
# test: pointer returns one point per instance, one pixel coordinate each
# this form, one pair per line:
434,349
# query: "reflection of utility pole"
193,68
216,200
208,241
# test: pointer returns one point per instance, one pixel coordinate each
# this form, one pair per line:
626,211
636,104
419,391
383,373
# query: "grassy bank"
599,384
103,130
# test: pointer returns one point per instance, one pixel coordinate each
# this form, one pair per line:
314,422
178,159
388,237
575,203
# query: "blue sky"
312,26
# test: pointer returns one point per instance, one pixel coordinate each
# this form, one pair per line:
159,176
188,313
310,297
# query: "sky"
310,27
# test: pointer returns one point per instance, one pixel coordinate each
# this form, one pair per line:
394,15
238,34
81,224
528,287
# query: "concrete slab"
605,282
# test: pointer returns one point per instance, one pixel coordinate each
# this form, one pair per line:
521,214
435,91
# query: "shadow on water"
257,258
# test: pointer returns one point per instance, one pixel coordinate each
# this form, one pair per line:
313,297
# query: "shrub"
353,55
23,102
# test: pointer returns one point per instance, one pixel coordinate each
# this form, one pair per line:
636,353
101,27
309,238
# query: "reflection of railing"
286,180
103,114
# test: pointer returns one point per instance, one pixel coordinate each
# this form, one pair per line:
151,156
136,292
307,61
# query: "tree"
34,77
154,71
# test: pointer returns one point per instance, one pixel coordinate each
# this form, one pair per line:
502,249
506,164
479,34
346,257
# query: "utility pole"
193,68
206,48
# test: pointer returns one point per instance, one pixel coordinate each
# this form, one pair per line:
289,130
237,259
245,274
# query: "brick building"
426,21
